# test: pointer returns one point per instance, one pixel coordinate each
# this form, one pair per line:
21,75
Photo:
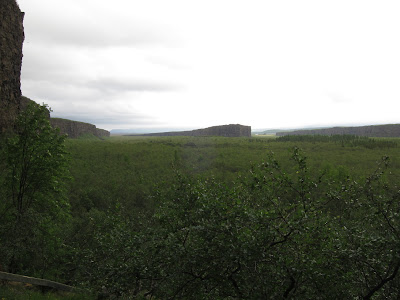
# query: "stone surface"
389,130
11,40
76,129
231,130
73,129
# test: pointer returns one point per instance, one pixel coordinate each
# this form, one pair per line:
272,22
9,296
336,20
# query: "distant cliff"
232,130
390,130
73,129
76,129
11,40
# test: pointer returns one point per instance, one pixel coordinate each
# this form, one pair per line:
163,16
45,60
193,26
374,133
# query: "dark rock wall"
11,40
390,130
76,129
11,101
102,133
73,129
232,130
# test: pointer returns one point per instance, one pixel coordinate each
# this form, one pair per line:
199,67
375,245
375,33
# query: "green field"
221,218
125,169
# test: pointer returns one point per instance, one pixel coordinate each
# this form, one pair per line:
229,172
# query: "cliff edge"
75,129
11,40
231,130
389,130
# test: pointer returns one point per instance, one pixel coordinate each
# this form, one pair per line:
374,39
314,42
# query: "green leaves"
280,231
34,202
275,235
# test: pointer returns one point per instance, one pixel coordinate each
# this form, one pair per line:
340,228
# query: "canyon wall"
11,40
73,129
231,130
390,130
76,129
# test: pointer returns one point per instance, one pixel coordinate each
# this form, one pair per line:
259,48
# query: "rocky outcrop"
76,129
71,128
11,101
231,130
11,40
390,130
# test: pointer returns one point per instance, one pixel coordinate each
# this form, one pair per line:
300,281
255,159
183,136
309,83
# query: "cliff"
76,129
11,40
231,130
73,129
11,100
389,130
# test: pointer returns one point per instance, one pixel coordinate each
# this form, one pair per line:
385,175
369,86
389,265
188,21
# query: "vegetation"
206,218
343,140
22,293
269,235
34,204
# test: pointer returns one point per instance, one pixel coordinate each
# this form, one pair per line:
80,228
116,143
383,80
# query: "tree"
33,201
274,234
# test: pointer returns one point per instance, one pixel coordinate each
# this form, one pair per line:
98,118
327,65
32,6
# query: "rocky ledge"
231,130
389,130
76,129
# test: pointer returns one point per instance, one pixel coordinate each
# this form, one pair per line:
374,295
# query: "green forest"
292,217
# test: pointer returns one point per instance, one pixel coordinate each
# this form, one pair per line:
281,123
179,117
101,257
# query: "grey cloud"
109,85
112,120
101,120
41,63
57,91
98,31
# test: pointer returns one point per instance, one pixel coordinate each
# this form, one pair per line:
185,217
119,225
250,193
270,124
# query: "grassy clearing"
126,169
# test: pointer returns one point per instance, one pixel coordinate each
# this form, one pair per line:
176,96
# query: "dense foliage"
33,200
194,218
271,235
344,140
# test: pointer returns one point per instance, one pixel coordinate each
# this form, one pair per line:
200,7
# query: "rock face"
11,101
231,130
11,40
390,130
73,129
76,129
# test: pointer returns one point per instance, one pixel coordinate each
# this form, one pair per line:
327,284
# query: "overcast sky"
193,64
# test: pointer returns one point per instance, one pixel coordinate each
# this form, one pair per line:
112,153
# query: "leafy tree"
33,202
270,235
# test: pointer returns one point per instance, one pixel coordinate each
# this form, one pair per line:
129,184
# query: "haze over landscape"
193,64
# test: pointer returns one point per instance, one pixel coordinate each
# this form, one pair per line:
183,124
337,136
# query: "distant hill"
231,130
275,131
388,130
139,131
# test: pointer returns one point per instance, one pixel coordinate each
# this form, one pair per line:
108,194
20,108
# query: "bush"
33,194
270,235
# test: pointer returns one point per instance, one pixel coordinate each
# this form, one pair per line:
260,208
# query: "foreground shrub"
33,203
269,235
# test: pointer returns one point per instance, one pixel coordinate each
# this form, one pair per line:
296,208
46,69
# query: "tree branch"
383,282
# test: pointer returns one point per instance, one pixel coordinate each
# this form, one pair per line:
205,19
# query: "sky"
169,64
